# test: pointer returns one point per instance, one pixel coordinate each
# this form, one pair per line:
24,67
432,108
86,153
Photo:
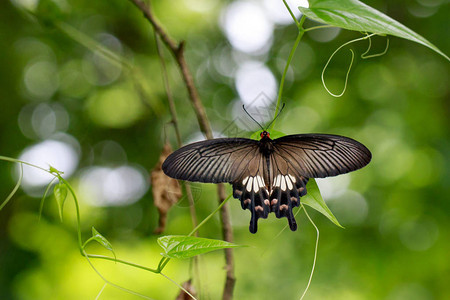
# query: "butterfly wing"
213,161
298,157
321,155
234,160
267,182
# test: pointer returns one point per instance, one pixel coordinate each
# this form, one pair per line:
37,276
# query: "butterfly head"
264,134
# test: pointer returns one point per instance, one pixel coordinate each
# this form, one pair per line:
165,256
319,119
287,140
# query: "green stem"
291,13
164,261
77,208
92,44
122,262
15,188
23,162
315,252
301,32
210,215
318,27
41,206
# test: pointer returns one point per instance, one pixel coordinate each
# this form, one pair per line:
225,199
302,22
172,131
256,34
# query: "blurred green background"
104,125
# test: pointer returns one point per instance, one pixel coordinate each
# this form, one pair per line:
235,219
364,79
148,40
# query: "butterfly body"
267,175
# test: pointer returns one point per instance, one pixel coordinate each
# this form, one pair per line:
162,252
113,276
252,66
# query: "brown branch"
177,50
173,112
227,234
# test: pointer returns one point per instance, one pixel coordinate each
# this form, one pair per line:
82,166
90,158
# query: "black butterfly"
267,175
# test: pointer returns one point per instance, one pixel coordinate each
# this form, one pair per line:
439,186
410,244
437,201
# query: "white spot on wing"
292,178
249,184
283,183
255,184
245,180
288,181
260,181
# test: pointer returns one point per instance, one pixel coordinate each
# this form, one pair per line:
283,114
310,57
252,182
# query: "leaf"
355,15
314,199
102,240
60,192
181,246
166,191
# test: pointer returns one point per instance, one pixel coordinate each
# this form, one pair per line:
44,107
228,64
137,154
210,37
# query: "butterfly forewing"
213,161
321,155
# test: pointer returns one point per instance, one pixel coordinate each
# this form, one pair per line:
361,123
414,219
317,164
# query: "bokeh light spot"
419,235
41,79
101,186
100,70
60,155
252,79
116,107
351,208
247,27
278,13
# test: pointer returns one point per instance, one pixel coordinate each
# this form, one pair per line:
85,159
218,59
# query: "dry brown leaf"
166,191
188,287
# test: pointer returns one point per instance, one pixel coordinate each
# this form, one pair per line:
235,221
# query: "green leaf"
55,171
181,246
60,192
314,199
355,15
101,239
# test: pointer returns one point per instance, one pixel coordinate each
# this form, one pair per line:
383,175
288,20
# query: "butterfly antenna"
277,115
243,106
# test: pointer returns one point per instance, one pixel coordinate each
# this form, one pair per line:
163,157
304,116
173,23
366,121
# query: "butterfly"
267,175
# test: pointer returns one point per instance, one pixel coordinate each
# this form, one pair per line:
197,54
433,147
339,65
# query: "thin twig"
177,50
173,112
227,234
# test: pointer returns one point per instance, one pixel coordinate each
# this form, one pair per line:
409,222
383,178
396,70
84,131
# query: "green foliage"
396,243
180,246
355,15
314,199
96,236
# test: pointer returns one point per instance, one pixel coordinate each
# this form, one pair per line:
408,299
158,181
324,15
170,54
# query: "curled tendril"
19,182
364,56
350,66
316,247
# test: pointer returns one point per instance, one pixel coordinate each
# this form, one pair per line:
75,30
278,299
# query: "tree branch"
177,50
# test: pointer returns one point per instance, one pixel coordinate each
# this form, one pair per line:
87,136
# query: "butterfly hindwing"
251,190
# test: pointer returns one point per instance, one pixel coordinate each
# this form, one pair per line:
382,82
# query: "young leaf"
355,15
314,199
181,246
60,192
101,239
